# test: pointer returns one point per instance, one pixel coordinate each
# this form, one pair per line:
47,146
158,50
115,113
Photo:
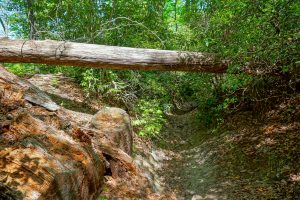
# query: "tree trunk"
31,19
3,26
112,57
175,17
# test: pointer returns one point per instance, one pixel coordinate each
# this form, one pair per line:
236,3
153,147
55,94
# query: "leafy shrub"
97,80
21,69
151,119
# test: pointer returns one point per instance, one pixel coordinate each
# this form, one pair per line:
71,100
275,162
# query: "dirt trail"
190,170
245,159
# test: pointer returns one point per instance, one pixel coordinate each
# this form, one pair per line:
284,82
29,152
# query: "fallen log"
39,157
111,57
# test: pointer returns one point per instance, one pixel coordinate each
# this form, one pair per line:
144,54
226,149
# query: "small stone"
9,116
197,197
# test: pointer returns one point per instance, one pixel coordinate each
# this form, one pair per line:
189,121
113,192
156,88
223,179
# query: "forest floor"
248,157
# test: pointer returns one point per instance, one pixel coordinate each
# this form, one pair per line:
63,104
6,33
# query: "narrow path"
190,171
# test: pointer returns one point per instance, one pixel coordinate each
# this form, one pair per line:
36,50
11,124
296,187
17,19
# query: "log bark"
41,156
112,57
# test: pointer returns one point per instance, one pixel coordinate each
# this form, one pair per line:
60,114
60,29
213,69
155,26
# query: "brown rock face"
40,156
115,124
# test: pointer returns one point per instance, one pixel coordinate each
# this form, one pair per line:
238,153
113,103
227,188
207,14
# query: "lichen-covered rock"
115,123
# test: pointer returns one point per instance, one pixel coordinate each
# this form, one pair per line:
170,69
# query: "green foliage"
224,95
151,119
21,69
232,83
54,82
263,34
96,81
